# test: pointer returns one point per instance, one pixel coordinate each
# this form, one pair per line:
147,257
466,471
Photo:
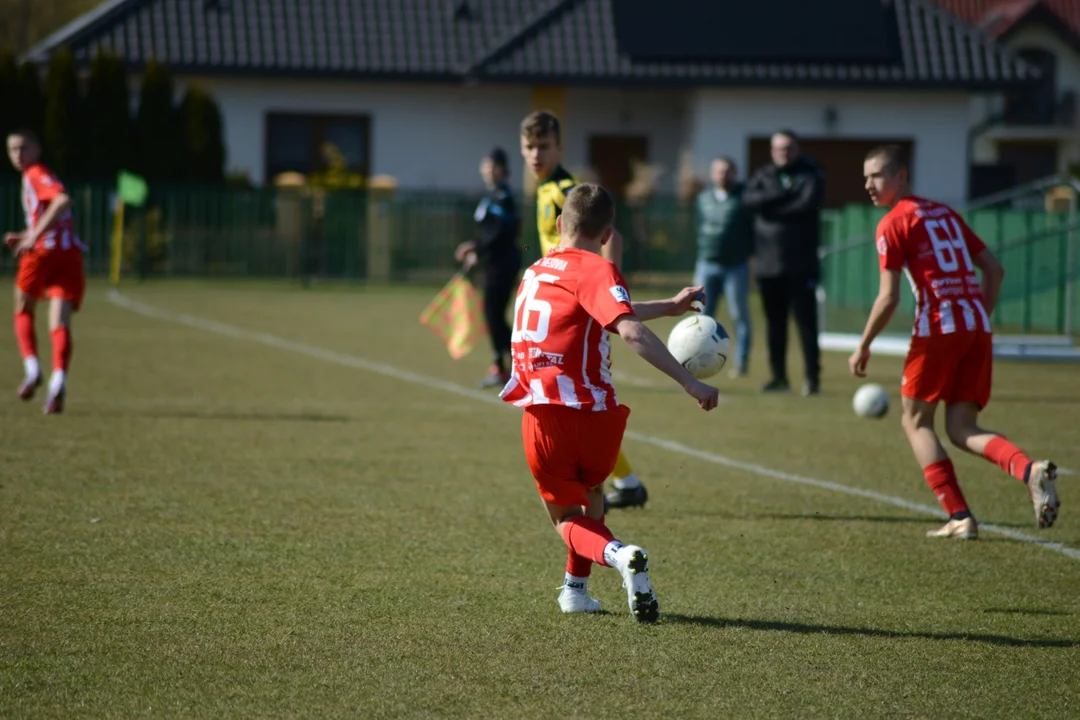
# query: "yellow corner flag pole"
131,190
117,243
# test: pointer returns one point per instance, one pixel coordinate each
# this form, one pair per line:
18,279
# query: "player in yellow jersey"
541,146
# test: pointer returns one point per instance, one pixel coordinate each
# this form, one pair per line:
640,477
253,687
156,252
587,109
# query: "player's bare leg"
585,534
962,425
27,341
918,422
60,332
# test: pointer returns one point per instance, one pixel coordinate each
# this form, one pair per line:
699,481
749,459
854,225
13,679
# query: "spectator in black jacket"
496,249
786,197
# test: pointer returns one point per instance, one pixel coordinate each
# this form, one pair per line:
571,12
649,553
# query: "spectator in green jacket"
725,242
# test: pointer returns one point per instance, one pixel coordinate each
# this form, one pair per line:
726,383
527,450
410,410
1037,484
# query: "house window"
317,143
1035,105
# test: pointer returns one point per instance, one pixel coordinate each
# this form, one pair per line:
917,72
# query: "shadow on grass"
216,415
1024,611
1037,399
845,518
806,629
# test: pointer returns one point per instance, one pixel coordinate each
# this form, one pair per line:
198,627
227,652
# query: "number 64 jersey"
565,303
933,245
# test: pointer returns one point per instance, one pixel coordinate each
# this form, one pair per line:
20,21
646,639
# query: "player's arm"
993,274
644,342
881,313
675,306
58,205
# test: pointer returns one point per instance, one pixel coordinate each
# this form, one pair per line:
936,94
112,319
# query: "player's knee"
959,432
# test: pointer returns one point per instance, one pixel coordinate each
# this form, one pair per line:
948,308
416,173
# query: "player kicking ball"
541,148
573,423
50,266
951,354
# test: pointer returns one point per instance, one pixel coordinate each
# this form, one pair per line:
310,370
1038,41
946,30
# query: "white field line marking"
670,445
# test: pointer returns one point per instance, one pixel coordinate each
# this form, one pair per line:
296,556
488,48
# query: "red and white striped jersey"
564,306
39,188
933,245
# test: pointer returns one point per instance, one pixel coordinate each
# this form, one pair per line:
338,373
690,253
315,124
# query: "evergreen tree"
108,118
64,132
204,146
9,93
159,140
9,100
30,111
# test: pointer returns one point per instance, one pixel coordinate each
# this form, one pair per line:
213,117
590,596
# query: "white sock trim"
572,583
609,552
629,482
32,367
56,382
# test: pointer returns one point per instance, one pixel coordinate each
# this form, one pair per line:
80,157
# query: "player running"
50,266
541,146
573,422
951,354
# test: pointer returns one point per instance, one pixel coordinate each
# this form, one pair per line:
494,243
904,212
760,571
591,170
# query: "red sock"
61,348
1007,456
24,334
941,477
587,537
578,566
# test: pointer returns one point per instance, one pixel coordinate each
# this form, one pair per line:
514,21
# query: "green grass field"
270,502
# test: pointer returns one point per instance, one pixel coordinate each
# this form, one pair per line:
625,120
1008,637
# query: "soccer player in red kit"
50,266
951,354
573,423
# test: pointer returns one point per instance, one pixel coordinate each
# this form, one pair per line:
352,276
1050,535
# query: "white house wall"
427,136
660,115
722,120
432,136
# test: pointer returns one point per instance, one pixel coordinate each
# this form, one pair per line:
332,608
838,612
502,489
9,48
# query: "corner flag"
131,190
455,316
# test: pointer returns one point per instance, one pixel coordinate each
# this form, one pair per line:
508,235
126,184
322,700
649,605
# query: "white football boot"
1043,489
633,563
966,529
573,600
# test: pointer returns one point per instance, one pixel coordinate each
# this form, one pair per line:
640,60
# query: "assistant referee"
496,251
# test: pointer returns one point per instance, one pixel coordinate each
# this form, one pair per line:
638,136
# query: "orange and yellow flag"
455,315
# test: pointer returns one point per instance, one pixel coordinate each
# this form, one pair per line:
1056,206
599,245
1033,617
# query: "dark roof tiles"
557,41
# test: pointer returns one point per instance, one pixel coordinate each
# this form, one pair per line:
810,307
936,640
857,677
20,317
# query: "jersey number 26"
527,306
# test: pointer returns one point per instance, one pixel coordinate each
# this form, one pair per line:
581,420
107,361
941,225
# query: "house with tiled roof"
1027,134
420,89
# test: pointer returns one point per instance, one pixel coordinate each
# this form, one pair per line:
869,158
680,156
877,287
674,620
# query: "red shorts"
953,368
571,451
53,274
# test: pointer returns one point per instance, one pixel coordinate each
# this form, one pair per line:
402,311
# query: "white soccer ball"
701,344
871,401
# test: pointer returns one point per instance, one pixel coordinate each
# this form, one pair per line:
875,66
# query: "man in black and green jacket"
725,243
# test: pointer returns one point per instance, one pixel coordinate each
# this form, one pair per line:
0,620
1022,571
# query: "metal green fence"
384,236
1033,245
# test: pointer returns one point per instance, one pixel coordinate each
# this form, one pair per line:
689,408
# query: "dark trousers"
797,294
499,286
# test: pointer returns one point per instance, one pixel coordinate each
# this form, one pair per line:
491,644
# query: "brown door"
1031,159
611,157
841,160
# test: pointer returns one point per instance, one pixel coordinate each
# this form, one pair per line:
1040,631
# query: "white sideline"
417,379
